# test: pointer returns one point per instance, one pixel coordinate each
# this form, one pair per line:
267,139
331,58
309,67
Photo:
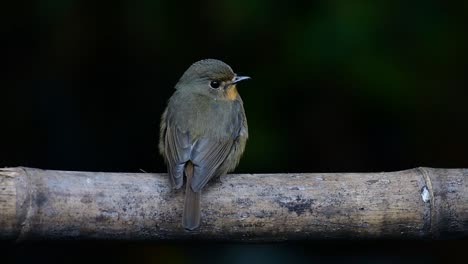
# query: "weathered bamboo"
416,203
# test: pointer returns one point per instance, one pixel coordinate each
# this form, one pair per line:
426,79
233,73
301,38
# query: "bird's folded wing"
208,156
178,149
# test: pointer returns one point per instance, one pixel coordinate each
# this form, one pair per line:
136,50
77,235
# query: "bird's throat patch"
231,92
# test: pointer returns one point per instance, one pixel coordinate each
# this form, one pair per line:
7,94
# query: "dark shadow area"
201,252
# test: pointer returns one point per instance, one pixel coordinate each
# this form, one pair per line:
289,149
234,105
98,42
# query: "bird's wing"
177,153
215,157
208,156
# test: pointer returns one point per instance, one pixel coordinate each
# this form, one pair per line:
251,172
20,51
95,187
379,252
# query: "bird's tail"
191,216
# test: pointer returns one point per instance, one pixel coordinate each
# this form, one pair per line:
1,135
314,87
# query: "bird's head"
211,77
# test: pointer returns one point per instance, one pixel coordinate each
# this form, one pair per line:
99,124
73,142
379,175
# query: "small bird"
203,131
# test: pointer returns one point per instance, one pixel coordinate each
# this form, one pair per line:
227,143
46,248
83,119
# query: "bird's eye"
214,84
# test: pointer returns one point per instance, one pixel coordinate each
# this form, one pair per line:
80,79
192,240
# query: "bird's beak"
240,78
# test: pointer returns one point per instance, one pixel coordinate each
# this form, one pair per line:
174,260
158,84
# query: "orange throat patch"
231,92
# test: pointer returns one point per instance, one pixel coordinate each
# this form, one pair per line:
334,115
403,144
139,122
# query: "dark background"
338,86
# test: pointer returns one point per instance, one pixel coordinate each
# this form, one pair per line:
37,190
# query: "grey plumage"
203,126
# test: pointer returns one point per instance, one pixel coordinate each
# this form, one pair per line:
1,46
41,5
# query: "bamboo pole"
417,203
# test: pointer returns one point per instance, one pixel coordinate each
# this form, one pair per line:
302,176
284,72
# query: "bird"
203,131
